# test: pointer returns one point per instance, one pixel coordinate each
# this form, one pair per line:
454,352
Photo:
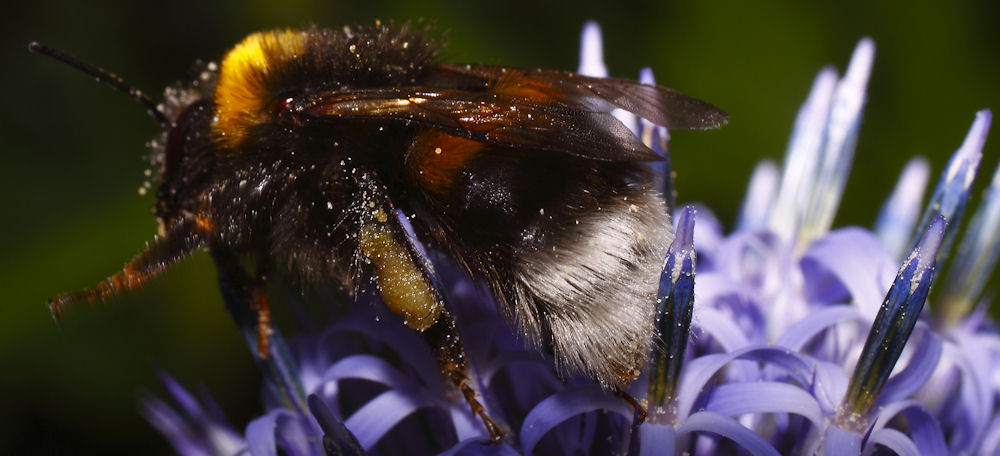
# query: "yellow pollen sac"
242,92
401,283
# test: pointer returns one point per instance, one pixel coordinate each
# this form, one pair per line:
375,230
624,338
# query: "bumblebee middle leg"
245,297
246,300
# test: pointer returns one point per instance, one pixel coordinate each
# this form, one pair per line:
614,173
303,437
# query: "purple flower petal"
898,217
759,198
747,257
977,253
538,379
839,442
655,439
485,335
727,427
173,427
263,434
712,286
838,148
505,359
299,436
390,331
857,260
829,386
924,428
696,376
991,443
896,441
923,361
975,390
197,431
815,323
721,327
568,403
735,399
467,425
477,447
592,51
802,156
260,433
372,368
700,370
374,419
185,399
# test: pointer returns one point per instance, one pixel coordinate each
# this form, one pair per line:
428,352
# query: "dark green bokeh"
73,159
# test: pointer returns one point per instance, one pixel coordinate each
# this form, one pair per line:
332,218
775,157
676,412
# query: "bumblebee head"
179,118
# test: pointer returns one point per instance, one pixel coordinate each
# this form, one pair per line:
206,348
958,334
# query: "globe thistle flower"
782,337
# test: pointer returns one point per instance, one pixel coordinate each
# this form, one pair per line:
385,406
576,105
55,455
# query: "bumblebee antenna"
102,75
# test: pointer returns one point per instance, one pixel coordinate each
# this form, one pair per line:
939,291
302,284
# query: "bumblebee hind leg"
443,337
405,281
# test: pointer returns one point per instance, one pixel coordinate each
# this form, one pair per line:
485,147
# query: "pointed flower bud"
675,304
952,192
892,327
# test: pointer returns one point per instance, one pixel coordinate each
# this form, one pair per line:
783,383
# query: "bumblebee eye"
286,103
287,106
282,104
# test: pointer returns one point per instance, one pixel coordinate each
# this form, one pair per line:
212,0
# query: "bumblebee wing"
659,105
581,129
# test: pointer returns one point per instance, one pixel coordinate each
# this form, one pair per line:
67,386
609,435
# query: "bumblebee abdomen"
571,248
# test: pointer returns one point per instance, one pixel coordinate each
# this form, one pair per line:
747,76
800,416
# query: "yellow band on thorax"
242,92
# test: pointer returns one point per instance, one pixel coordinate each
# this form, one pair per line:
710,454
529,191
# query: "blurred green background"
73,159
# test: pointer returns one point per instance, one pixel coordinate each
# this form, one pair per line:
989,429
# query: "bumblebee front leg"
245,297
405,281
179,240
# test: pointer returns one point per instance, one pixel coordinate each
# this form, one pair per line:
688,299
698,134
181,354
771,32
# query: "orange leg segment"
178,242
443,337
262,307
640,411
246,297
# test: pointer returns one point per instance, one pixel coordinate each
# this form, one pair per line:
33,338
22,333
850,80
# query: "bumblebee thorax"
262,73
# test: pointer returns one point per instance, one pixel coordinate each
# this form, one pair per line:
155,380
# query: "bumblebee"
341,155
